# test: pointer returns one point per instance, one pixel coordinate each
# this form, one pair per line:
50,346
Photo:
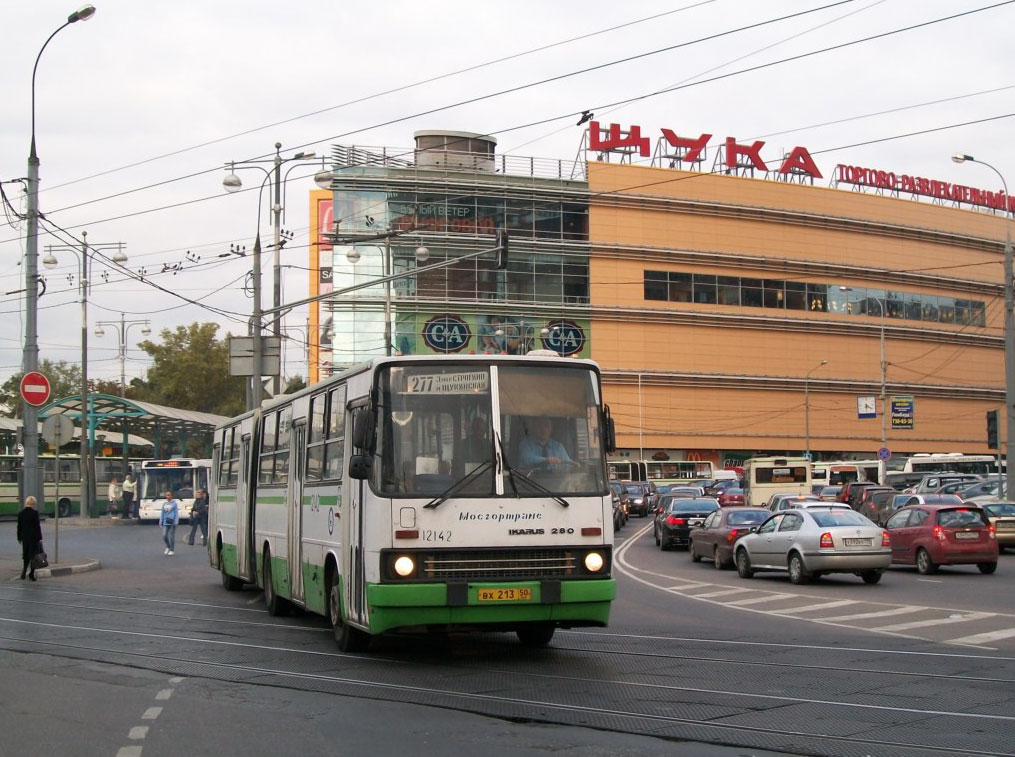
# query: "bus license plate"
505,595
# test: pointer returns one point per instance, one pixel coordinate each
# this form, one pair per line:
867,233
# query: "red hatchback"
731,497
931,535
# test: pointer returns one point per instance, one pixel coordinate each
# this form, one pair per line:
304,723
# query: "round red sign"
35,389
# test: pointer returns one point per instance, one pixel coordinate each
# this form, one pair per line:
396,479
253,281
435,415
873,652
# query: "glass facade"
708,289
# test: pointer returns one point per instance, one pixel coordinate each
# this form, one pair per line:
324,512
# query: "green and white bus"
405,494
69,479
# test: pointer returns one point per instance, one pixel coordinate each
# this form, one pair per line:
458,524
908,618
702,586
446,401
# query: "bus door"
244,525
353,572
294,498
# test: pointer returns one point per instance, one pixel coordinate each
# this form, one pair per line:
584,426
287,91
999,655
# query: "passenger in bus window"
539,451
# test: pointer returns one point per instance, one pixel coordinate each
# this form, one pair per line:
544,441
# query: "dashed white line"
129,751
984,638
138,732
934,622
163,695
819,606
151,713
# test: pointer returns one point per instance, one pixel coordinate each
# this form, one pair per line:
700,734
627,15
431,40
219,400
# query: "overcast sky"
139,108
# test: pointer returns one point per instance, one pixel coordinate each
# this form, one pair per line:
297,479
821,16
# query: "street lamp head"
146,330
422,254
323,179
120,257
304,155
49,261
353,255
99,331
960,158
232,183
83,13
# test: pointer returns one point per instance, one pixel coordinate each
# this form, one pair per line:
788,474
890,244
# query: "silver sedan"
809,543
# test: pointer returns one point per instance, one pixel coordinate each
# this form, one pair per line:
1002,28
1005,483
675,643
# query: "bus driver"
538,450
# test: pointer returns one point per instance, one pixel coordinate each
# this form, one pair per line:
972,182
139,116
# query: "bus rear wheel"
229,583
275,604
349,639
535,634
64,508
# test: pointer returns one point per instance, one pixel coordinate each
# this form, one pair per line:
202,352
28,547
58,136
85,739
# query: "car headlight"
594,562
404,566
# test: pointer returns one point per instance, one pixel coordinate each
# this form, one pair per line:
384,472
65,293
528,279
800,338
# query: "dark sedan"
715,539
677,516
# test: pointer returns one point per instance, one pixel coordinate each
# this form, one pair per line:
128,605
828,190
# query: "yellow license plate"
504,595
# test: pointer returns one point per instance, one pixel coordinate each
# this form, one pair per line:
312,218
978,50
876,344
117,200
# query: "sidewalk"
10,564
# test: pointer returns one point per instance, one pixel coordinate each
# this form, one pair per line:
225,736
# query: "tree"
64,380
190,370
294,384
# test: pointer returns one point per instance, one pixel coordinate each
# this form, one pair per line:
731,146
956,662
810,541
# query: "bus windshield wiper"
457,485
534,484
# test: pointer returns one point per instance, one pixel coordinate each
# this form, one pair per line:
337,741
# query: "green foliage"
64,380
294,384
190,370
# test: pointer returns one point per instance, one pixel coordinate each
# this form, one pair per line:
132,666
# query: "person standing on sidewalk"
199,517
115,495
128,495
168,518
30,536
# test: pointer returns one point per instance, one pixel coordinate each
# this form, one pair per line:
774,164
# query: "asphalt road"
151,654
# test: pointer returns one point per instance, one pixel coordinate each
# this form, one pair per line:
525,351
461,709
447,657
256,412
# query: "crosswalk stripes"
965,618
984,638
819,606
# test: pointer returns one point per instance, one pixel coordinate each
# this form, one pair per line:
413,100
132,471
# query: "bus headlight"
405,566
593,562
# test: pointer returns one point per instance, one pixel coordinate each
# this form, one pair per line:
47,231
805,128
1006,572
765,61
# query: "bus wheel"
535,634
349,639
229,583
64,508
275,604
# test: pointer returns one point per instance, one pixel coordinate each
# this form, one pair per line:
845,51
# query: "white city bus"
765,476
183,476
953,462
409,493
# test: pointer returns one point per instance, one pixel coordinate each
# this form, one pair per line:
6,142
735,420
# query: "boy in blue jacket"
168,519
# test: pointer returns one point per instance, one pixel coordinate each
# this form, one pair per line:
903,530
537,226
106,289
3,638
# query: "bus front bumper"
493,605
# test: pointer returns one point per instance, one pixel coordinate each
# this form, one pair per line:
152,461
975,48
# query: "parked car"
900,480
849,487
1002,517
779,502
720,485
714,540
677,516
855,496
686,491
625,500
812,542
931,483
829,493
957,487
618,512
990,487
872,502
817,504
931,499
640,498
930,535
732,497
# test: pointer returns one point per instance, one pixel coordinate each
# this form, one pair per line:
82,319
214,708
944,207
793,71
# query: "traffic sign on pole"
35,389
884,454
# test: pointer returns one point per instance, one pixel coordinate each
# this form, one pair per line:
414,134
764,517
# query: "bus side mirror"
360,466
609,431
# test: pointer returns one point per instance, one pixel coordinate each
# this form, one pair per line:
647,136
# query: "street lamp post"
30,355
51,262
1009,329
233,183
122,327
807,408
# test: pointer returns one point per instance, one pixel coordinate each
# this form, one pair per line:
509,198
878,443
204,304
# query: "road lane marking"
128,751
138,732
820,606
879,614
759,600
164,694
934,622
151,713
984,638
681,587
722,593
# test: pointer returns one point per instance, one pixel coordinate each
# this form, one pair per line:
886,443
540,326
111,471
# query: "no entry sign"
35,389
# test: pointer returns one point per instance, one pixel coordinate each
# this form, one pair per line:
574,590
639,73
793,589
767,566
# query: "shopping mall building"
737,303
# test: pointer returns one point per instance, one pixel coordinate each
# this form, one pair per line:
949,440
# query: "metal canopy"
119,414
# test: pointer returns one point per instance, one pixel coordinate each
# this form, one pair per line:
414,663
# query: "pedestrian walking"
115,495
168,519
30,536
199,517
128,495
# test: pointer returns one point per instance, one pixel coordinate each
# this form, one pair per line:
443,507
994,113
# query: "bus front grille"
486,565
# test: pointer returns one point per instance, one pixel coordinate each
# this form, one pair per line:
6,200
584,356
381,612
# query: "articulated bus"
954,462
661,472
765,476
424,492
183,476
70,482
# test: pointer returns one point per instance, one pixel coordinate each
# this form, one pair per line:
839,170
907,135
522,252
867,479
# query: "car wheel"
744,569
717,560
924,564
695,557
987,567
870,576
797,572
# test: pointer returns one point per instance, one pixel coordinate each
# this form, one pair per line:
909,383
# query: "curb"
68,569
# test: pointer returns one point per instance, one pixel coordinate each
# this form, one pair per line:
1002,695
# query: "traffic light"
502,249
992,429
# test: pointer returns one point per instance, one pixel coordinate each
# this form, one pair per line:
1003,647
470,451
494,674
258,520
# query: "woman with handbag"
30,536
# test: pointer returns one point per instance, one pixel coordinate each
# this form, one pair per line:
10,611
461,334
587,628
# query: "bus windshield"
182,482
444,425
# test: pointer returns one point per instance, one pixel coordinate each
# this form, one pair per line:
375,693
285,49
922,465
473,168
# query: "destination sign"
463,382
